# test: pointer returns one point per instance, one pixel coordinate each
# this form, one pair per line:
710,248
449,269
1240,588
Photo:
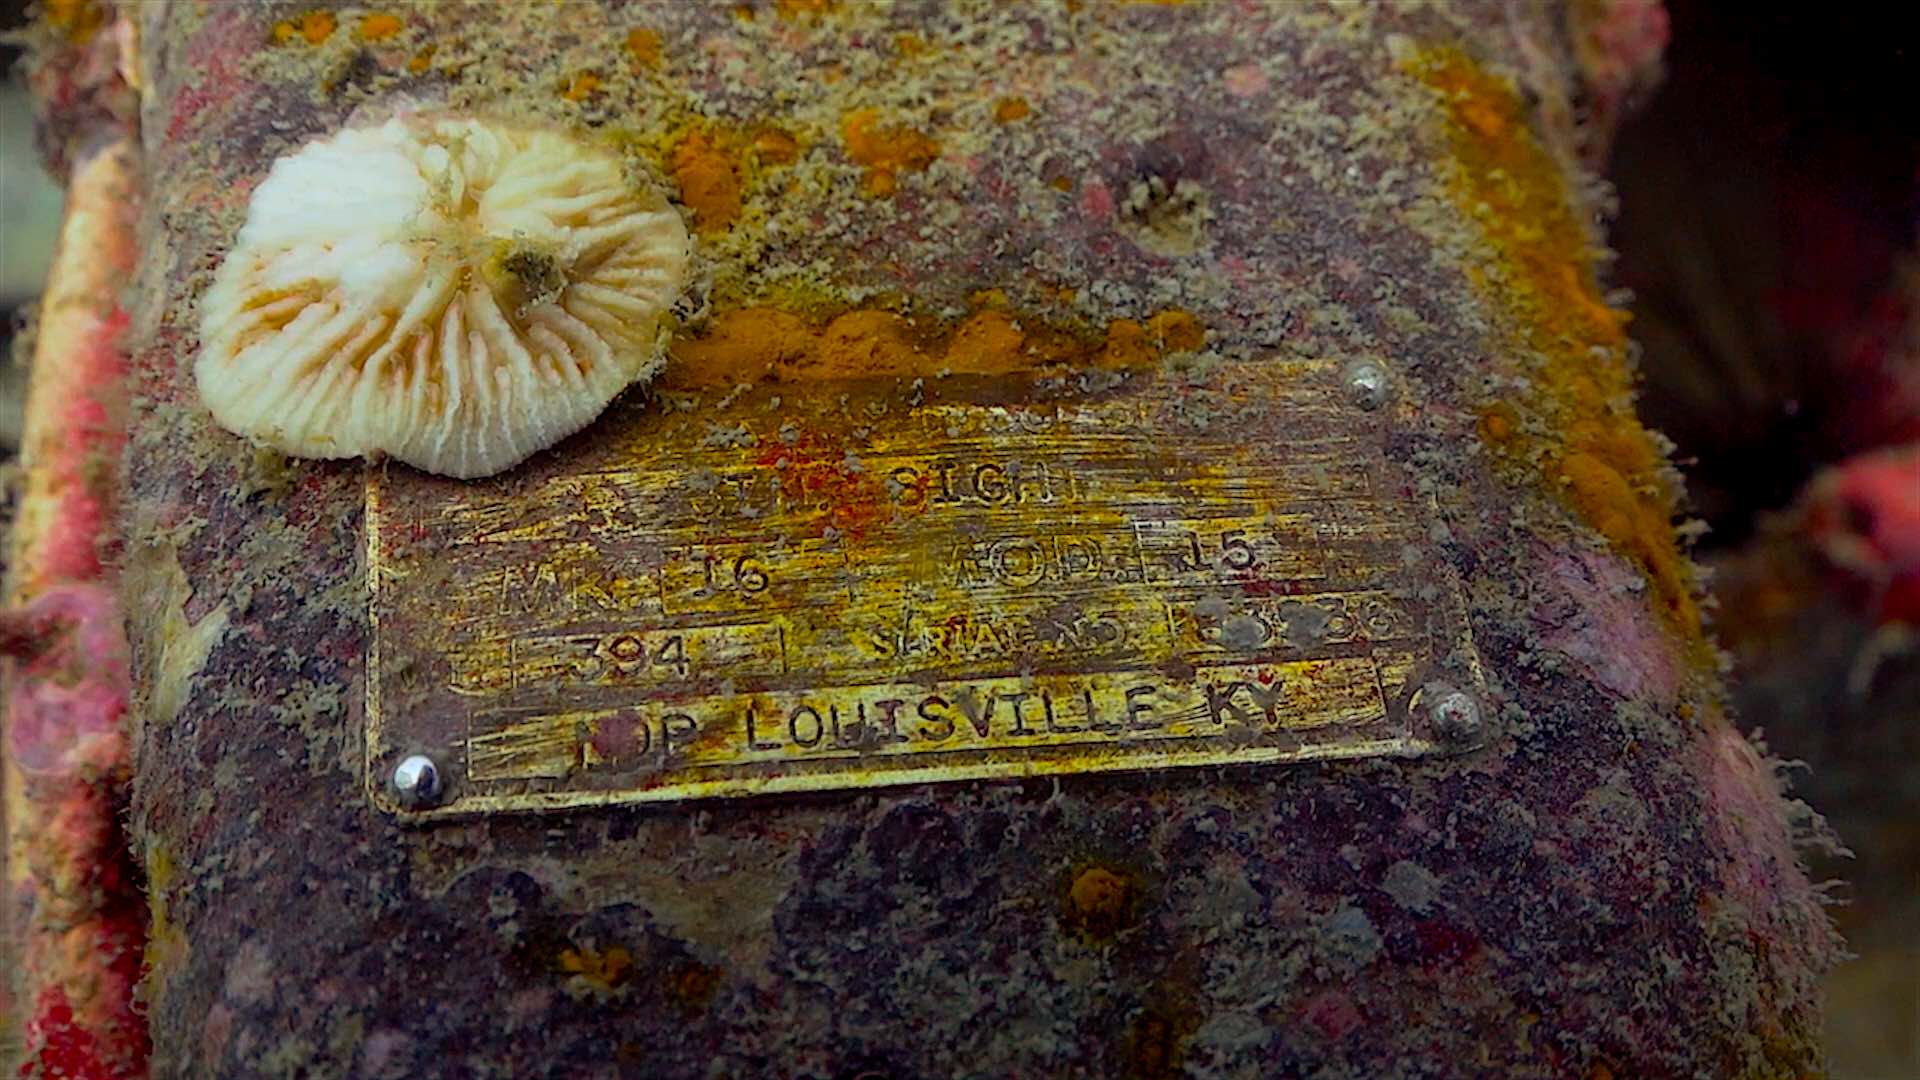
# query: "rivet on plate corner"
417,781
1368,384
1453,714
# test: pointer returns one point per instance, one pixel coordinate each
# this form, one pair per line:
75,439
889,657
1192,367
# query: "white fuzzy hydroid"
455,293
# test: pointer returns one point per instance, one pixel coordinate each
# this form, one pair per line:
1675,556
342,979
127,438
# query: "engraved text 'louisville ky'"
727,594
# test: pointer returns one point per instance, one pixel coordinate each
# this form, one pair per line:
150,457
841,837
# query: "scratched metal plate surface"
758,590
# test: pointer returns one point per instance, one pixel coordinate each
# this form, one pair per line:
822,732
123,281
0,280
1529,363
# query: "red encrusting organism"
75,915
1863,516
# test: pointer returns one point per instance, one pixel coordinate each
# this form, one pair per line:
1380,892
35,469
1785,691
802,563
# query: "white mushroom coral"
455,293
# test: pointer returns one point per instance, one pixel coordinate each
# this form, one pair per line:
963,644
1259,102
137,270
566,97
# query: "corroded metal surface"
1109,201
896,585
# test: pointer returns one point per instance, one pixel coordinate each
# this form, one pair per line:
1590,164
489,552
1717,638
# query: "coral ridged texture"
455,293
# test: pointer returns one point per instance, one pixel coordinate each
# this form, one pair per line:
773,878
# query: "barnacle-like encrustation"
455,293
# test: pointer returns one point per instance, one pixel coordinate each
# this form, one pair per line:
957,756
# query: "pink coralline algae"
1332,1014
75,915
69,690
1592,619
80,918
1761,871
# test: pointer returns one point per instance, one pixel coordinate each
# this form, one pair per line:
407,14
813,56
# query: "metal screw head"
417,781
1368,384
1453,714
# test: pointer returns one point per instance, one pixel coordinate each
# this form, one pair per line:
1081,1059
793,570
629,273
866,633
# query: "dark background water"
1769,198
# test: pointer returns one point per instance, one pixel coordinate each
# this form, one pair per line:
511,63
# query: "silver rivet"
417,781
1452,713
1368,384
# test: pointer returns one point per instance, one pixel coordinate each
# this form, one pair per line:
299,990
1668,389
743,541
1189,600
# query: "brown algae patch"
1101,901
709,179
691,986
166,943
773,146
720,174
379,27
884,149
75,20
593,972
644,45
581,86
313,27
1576,421
764,342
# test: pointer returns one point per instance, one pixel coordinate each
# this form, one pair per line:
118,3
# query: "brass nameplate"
763,590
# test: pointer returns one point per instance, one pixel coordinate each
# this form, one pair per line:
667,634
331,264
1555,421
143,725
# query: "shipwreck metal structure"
1141,561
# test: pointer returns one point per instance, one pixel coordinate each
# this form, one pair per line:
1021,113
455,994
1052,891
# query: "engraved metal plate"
735,592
